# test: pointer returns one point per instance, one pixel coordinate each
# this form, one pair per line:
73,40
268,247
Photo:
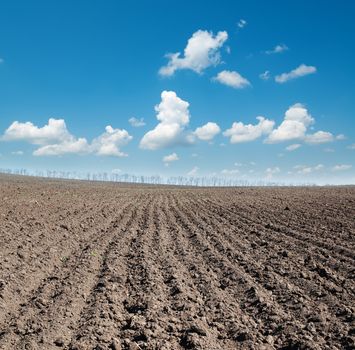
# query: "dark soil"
109,266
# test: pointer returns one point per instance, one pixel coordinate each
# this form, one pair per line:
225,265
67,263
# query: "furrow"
275,274
57,300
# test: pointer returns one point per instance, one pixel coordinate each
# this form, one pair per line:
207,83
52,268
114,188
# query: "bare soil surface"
111,266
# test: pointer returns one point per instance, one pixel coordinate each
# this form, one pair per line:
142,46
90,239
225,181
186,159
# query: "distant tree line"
197,181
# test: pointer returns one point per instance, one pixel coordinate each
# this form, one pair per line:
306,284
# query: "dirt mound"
108,266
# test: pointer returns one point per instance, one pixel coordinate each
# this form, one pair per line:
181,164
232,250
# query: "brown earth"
109,266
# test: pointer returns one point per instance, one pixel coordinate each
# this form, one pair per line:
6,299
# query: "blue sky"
92,64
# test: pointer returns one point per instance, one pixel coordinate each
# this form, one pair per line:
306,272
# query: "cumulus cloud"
79,146
242,23
342,167
319,137
109,143
296,122
265,75
201,52
293,147
298,72
54,139
232,79
240,132
294,125
135,122
173,116
54,131
193,171
173,157
163,135
172,130
208,131
277,49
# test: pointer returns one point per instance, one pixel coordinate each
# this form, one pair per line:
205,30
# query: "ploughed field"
111,266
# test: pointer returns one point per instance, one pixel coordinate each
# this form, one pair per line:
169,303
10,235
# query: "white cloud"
300,71
319,137
79,146
329,150
193,171
173,157
208,131
232,79
294,125
202,51
240,132
265,75
342,167
173,115
135,122
163,135
116,171
54,131
172,109
277,49
242,23
323,137
303,169
54,139
270,172
293,147
351,146
109,143
17,153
